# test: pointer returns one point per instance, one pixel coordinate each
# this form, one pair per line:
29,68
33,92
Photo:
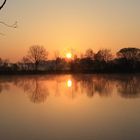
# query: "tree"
129,53
89,54
4,64
2,5
37,54
56,55
0,62
129,59
25,63
103,55
3,23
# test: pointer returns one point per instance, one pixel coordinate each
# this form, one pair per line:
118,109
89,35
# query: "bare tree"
56,55
103,55
89,54
37,54
7,25
3,23
24,64
4,2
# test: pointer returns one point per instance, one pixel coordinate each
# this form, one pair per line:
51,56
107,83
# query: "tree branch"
3,4
7,25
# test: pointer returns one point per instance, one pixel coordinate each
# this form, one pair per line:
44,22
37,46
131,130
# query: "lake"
70,107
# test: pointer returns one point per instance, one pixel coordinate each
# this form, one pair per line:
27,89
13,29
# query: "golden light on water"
69,83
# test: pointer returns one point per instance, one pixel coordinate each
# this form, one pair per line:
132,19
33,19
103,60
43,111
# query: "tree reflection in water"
103,86
35,88
38,87
4,86
86,84
92,85
129,87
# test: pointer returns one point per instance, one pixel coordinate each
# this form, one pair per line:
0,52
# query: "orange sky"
62,25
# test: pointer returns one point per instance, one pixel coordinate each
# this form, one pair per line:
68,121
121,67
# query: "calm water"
70,107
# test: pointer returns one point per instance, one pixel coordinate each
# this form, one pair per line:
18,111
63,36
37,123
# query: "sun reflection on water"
69,83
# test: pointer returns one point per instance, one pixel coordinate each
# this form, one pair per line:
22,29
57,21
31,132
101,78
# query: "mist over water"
84,107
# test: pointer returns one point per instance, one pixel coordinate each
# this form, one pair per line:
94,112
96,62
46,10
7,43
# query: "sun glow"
69,83
68,55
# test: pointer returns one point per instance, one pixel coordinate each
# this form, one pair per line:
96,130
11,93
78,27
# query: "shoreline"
65,72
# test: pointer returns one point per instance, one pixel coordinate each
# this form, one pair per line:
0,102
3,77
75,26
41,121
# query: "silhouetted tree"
129,53
4,64
3,23
56,55
57,58
2,5
103,55
14,67
37,54
85,63
25,63
129,59
0,61
89,54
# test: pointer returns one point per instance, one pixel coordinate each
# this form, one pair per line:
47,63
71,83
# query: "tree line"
125,60
36,61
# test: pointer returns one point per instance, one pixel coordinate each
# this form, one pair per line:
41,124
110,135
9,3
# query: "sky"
65,25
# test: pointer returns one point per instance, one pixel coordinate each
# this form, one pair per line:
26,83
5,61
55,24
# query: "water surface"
70,107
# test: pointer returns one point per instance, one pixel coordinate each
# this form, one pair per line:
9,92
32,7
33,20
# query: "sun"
69,55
